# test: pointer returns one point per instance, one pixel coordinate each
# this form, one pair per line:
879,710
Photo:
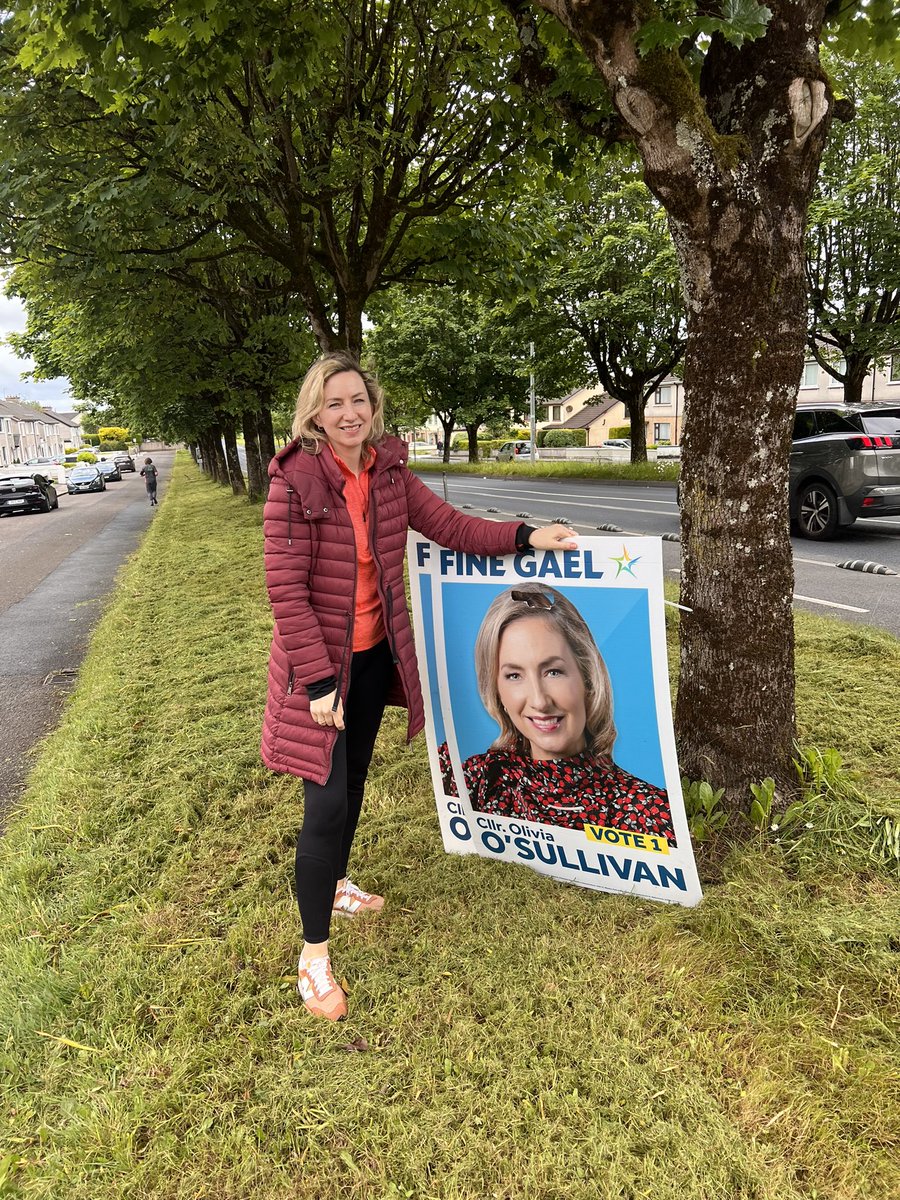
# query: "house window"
810,375
662,431
664,394
841,367
894,376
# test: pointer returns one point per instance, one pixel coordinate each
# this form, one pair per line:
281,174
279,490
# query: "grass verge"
636,472
509,1036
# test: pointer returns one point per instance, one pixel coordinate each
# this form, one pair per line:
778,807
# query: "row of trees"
193,195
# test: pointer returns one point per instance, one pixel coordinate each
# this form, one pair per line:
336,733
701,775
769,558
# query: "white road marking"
830,603
640,505
808,599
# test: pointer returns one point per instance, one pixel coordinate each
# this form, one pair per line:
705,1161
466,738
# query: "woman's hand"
553,537
320,711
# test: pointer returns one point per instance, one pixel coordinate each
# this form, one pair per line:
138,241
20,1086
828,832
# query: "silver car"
845,463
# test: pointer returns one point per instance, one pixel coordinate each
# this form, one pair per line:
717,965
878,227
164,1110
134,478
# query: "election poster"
549,719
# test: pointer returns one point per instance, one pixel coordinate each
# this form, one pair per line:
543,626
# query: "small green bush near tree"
560,438
620,431
86,456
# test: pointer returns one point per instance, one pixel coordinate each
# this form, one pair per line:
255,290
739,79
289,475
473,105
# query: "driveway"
58,570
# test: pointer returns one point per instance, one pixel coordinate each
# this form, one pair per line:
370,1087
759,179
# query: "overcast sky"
54,393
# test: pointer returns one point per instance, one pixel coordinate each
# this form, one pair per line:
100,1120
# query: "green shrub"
86,456
117,445
557,438
620,431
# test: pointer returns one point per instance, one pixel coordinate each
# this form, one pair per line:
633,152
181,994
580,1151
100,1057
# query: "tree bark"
255,489
855,374
636,405
735,706
232,458
733,160
266,436
472,435
218,465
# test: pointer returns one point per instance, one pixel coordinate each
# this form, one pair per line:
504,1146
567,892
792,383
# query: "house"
71,423
597,413
27,431
881,386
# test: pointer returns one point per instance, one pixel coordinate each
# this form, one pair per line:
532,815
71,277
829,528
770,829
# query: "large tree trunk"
266,436
735,707
733,159
232,458
217,464
447,424
255,489
472,435
855,375
636,405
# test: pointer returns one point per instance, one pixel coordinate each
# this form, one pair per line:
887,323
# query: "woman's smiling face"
345,416
541,688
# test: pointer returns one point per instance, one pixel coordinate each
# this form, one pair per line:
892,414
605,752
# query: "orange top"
368,625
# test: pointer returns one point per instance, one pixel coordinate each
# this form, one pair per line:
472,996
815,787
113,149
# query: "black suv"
23,492
845,463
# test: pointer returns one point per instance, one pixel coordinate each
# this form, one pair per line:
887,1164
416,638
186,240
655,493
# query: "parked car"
510,451
22,491
43,462
845,463
123,460
85,478
617,443
109,469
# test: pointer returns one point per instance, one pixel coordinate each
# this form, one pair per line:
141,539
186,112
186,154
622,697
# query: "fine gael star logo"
625,564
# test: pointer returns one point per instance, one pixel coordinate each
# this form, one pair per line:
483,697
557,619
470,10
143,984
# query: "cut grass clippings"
508,1036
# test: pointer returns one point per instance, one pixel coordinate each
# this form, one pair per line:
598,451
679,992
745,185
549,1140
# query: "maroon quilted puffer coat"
311,578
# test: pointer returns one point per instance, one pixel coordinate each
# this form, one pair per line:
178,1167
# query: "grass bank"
636,472
509,1037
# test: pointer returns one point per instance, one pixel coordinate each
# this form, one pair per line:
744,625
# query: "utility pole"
531,406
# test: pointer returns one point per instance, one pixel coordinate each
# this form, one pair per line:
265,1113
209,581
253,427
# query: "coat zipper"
290,492
373,530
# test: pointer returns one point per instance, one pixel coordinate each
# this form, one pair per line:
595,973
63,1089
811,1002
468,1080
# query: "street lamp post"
531,405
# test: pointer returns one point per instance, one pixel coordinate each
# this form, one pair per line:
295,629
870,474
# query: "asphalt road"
651,509
57,570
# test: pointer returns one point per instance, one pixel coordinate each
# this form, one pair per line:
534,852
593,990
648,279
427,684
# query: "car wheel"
817,514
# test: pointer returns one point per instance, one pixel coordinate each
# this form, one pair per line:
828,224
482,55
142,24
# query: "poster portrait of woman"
542,679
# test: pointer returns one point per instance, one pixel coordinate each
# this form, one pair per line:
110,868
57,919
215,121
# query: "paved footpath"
58,569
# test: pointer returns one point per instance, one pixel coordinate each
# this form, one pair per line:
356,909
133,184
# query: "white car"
617,444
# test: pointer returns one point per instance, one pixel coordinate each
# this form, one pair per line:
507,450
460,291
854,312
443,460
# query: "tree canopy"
853,246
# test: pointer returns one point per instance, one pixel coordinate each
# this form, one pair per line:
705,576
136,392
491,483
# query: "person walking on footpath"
341,500
150,473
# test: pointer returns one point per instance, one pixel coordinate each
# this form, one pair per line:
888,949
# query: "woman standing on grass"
341,501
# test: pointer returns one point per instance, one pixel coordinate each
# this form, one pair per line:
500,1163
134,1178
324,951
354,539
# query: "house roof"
588,414
63,418
11,406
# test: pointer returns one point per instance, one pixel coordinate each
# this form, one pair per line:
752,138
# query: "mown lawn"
509,1037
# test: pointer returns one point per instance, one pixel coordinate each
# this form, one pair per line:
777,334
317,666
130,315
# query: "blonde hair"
546,603
312,389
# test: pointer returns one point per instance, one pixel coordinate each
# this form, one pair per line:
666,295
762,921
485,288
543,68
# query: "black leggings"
332,809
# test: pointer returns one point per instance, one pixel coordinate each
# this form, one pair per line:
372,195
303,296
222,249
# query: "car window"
804,425
835,422
883,424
